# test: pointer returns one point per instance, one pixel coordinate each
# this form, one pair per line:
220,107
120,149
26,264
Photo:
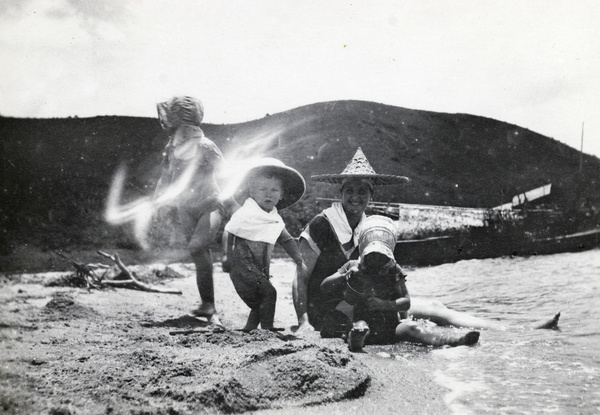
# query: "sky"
532,63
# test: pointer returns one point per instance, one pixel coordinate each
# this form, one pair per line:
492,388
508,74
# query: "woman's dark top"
330,259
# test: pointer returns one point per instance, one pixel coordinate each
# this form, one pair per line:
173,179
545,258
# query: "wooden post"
581,152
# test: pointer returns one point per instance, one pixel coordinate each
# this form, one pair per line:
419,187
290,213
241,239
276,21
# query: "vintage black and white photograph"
202,202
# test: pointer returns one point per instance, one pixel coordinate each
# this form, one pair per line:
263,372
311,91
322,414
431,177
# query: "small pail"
379,229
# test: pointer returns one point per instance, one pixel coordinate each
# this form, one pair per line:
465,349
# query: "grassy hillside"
56,172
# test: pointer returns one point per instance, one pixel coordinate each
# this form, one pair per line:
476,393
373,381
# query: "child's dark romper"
382,325
249,261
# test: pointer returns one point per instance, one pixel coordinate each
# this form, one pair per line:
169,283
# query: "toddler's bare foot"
248,328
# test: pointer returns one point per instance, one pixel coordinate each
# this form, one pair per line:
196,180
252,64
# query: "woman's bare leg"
551,324
441,315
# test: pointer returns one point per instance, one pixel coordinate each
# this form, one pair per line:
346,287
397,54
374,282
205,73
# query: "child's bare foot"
214,319
205,310
357,335
252,322
248,328
550,324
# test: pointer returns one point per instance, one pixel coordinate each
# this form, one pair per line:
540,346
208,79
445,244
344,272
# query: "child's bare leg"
268,295
200,252
204,280
438,313
409,332
253,320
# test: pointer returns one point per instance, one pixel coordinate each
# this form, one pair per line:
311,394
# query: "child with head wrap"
190,161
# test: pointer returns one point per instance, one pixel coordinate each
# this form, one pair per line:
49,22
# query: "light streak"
243,155
140,211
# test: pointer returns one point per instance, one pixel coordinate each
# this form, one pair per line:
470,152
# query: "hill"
56,173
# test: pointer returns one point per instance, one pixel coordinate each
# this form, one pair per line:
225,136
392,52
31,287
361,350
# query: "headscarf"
183,110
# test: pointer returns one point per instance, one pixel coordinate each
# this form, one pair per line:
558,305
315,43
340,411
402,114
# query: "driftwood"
86,272
131,282
201,330
93,280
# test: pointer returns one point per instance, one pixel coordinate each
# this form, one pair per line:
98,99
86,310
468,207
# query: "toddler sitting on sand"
374,292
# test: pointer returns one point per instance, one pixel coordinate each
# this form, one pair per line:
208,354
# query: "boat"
479,245
433,235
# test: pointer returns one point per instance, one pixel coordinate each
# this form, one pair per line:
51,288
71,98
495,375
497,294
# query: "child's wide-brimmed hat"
360,168
377,234
180,110
292,182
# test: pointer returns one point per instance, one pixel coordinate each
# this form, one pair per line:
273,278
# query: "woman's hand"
377,304
304,326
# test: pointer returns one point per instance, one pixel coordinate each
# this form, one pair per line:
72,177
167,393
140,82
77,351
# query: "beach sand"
69,350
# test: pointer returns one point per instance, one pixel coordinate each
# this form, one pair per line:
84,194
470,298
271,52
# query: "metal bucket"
380,229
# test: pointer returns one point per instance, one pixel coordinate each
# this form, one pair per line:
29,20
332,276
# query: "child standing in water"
253,231
188,174
373,292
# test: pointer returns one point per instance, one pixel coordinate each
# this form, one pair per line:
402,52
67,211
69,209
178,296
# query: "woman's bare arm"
300,284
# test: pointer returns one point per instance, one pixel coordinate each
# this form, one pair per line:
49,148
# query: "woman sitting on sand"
329,241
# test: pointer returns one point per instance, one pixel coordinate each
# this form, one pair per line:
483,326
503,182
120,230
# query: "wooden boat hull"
453,248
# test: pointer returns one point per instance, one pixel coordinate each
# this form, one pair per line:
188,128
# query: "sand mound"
289,374
64,307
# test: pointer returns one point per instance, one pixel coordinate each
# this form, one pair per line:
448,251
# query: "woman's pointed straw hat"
360,168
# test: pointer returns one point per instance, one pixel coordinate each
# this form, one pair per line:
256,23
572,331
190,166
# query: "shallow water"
520,370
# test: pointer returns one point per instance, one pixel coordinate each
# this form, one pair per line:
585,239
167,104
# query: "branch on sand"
201,330
126,278
86,272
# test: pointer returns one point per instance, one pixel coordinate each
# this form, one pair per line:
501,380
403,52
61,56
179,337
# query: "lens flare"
140,211
242,155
